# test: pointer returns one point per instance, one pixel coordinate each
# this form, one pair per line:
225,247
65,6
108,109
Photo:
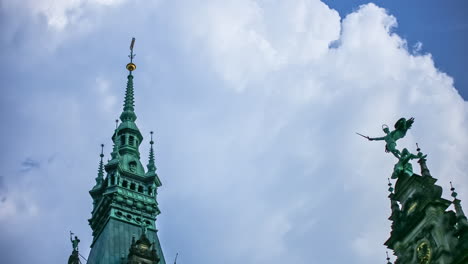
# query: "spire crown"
131,66
128,113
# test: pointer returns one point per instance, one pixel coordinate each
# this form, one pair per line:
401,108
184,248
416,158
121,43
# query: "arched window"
132,186
140,188
125,184
150,191
122,139
131,140
112,179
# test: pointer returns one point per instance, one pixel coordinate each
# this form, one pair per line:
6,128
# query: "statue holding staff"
401,127
74,242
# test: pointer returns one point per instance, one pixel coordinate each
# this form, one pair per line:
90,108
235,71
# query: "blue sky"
441,27
254,104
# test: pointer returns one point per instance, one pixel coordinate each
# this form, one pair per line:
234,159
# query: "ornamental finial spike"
454,193
131,66
390,187
102,151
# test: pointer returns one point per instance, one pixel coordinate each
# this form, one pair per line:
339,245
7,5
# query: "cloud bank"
256,105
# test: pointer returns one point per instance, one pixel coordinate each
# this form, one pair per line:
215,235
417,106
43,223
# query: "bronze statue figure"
74,242
403,166
401,127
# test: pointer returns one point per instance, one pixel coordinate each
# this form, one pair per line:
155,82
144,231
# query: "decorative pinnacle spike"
102,151
417,148
454,193
390,188
388,258
151,166
116,123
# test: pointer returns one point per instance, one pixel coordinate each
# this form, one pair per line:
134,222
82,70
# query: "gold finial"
131,66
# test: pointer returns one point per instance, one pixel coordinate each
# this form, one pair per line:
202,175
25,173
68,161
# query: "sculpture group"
403,166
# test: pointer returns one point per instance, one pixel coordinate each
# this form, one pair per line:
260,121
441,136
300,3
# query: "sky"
254,104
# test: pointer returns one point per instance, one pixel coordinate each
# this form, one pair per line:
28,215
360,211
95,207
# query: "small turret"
142,250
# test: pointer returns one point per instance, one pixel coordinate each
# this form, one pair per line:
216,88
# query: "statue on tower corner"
403,166
74,242
74,257
401,127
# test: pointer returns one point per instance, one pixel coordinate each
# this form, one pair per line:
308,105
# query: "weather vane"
131,66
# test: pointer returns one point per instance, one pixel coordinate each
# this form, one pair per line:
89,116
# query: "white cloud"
106,99
279,53
244,39
17,205
417,47
60,13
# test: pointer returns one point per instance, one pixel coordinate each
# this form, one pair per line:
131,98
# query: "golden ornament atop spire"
131,66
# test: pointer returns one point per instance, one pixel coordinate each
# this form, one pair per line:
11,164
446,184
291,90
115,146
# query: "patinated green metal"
125,197
74,257
403,166
74,242
423,230
391,137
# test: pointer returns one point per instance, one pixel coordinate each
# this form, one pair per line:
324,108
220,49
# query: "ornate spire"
128,113
151,166
422,162
100,175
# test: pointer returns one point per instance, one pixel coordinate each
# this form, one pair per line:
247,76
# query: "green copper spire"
127,197
128,113
100,175
151,166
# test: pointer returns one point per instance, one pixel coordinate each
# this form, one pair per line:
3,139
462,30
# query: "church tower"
423,230
124,196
